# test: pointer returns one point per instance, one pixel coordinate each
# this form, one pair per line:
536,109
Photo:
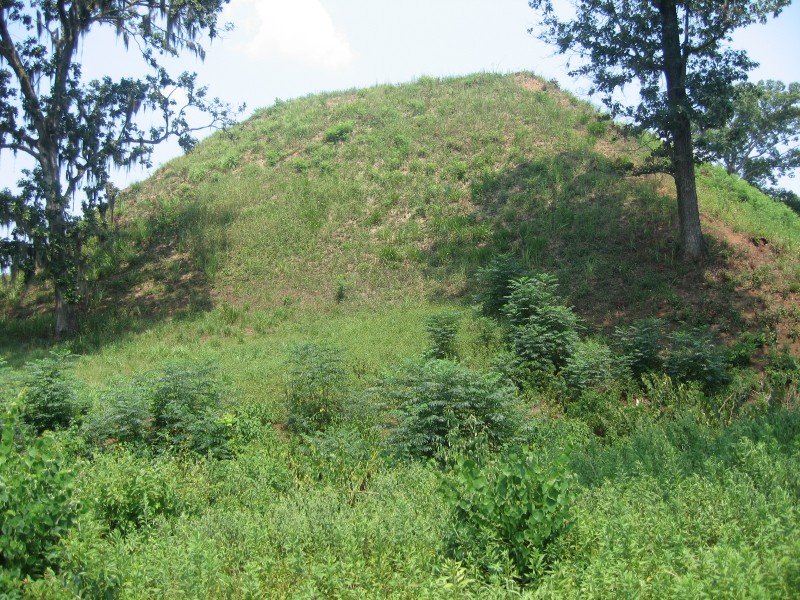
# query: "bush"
48,399
316,388
36,506
509,511
528,296
180,406
441,329
339,132
128,492
693,356
494,281
591,366
441,405
640,345
543,346
543,334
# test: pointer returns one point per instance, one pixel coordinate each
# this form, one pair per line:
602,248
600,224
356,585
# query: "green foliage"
528,296
640,345
494,281
339,132
510,510
36,504
182,406
75,128
127,492
48,398
442,405
759,139
646,43
591,366
442,329
316,388
693,356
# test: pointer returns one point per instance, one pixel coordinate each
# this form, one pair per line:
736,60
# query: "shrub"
528,296
36,506
180,406
693,356
48,399
510,510
494,281
339,132
441,329
441,405
543,345
591,366
542,332
128,492
316,388
640,345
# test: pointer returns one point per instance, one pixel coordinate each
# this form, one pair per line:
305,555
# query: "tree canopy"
76,131
759,141
678,53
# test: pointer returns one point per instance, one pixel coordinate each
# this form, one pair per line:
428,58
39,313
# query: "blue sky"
290,48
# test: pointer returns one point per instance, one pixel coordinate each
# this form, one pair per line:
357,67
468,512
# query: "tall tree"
677,52
76,131
760,140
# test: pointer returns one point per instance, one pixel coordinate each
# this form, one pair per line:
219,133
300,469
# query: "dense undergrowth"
649,463
422,341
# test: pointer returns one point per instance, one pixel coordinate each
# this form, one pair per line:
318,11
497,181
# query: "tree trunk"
693,246
59,256
64,315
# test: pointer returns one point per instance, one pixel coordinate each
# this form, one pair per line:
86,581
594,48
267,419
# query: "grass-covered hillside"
421,341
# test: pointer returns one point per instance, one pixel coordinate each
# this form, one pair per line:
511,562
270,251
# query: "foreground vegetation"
334,353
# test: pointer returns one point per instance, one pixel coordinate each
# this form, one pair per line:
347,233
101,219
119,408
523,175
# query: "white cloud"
298,29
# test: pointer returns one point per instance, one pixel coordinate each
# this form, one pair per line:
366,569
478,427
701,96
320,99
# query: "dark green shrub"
591,366
127,492
316,388
528,296
339,132
640,345
510,510
494,282
48,399
693,356
180,406
441,405
441,329
36,505
543,345
542,333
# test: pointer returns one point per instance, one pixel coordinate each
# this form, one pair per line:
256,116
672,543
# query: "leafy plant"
316,388
544,345
48,399
180,406
592,366
339,132
441,329
514,508
494,281
693,356
36,505
443,405
640,345
127,492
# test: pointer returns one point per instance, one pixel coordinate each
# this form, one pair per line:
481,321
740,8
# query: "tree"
75,131
759,141
623,42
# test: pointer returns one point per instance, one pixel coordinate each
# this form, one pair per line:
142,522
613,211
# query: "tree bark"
693,246
64,313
